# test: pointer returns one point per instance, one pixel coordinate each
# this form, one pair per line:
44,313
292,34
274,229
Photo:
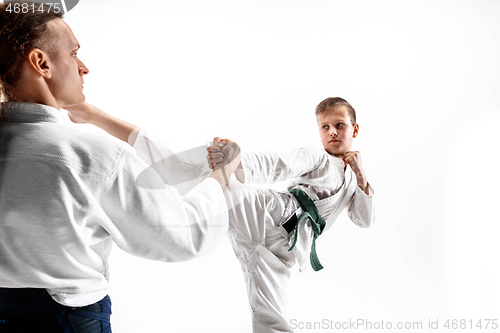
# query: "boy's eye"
339,125
325,127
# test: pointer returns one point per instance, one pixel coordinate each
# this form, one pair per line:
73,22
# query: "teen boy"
264,223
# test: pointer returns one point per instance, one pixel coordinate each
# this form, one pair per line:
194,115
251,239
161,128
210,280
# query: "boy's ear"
39,62
356,130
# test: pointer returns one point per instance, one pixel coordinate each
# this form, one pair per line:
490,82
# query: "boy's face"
336,130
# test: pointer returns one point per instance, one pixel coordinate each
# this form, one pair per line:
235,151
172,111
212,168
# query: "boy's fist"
353,158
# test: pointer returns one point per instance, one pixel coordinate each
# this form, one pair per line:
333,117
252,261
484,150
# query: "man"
68,191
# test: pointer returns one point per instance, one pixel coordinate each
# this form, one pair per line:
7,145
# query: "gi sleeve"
271,167
150,219
362,211
178,167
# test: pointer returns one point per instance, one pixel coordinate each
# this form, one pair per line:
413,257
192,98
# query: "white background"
424,79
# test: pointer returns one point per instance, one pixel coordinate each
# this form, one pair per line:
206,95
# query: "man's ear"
40,63
356,130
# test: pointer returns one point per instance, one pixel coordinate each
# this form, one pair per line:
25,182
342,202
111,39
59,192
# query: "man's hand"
86,113
231,156
215,154
353,158
224,156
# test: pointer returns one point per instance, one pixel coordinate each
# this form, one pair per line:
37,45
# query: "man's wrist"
96,117
220,177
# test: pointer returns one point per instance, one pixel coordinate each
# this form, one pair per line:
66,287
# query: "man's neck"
37,100
34,91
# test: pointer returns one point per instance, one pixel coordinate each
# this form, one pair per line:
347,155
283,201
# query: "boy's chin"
336,152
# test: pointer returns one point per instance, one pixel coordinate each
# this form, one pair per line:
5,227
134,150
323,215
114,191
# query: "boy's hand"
353,158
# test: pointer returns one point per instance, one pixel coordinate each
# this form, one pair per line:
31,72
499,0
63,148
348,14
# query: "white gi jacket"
68,191
322,177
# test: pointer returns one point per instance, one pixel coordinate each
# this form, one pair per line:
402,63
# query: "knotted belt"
317,223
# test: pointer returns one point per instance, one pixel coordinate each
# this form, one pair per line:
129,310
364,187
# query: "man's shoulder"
90,145
85,147
81,136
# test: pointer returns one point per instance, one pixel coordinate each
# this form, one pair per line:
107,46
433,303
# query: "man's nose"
83,69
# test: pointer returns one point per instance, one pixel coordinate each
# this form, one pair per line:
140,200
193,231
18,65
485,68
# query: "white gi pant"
255,216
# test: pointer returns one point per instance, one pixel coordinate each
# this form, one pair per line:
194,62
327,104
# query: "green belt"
317,223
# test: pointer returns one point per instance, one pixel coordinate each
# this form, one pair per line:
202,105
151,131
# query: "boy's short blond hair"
334,102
